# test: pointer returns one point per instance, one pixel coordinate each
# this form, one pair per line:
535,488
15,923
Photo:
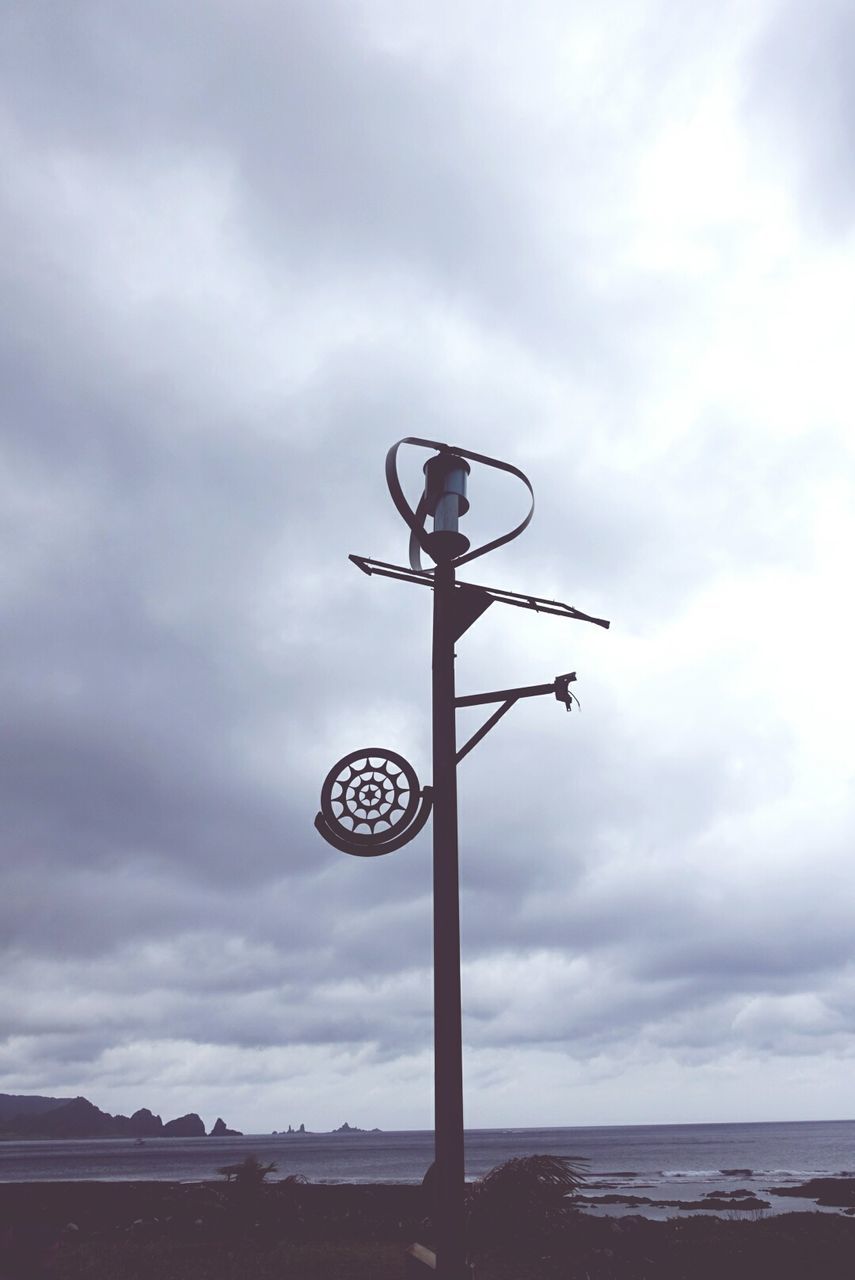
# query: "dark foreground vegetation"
251,1230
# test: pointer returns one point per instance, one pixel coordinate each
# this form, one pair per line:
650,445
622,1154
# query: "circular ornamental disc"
370,797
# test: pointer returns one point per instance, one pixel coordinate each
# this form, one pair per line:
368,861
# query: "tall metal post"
448,1049
372,803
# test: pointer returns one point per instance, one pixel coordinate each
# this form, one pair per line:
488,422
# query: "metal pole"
448,1046
356,790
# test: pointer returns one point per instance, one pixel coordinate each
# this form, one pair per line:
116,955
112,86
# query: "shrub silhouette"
523,1198
250,1172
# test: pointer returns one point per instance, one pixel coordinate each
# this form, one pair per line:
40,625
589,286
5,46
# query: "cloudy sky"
248,246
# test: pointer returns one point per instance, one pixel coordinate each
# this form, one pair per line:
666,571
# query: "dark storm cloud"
120,700
347,160
130,649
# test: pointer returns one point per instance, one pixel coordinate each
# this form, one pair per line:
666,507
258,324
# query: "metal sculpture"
371,802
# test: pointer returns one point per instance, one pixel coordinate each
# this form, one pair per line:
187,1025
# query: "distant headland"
31,1116
23,1116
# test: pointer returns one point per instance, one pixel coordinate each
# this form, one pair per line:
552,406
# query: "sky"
246,248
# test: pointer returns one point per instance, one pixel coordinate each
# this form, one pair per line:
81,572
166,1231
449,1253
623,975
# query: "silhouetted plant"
250,1172
523,1198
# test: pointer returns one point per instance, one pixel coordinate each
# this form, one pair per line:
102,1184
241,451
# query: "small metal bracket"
467,605
563,692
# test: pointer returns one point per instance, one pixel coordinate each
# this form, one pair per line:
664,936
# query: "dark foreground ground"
211,1231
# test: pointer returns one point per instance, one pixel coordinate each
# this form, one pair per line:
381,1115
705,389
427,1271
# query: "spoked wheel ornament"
372,803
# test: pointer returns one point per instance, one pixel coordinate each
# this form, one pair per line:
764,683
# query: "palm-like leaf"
524,1196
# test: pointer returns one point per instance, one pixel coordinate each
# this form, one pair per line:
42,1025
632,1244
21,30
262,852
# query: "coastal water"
677,1162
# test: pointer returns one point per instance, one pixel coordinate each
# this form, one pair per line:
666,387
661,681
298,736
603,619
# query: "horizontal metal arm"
504,695
384,570
498,595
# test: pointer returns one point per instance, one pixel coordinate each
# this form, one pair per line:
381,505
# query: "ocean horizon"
678,1162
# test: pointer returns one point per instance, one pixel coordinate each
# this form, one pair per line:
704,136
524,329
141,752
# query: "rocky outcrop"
143,1124
221,1131
75,1119
836,1192
80,1118
189,1126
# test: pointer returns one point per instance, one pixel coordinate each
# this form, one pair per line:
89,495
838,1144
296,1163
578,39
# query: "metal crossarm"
424,578
384,570
505,695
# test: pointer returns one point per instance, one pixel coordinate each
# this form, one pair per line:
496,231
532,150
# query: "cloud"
800,95
246,254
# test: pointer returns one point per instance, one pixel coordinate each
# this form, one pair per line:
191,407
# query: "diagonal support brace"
485,729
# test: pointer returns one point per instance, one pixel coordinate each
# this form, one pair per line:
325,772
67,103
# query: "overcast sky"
246,247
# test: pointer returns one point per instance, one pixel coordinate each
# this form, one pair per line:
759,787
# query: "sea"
676,1162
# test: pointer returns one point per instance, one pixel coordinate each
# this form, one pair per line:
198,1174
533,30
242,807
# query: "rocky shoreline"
98,1231
739,1201
826,1193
